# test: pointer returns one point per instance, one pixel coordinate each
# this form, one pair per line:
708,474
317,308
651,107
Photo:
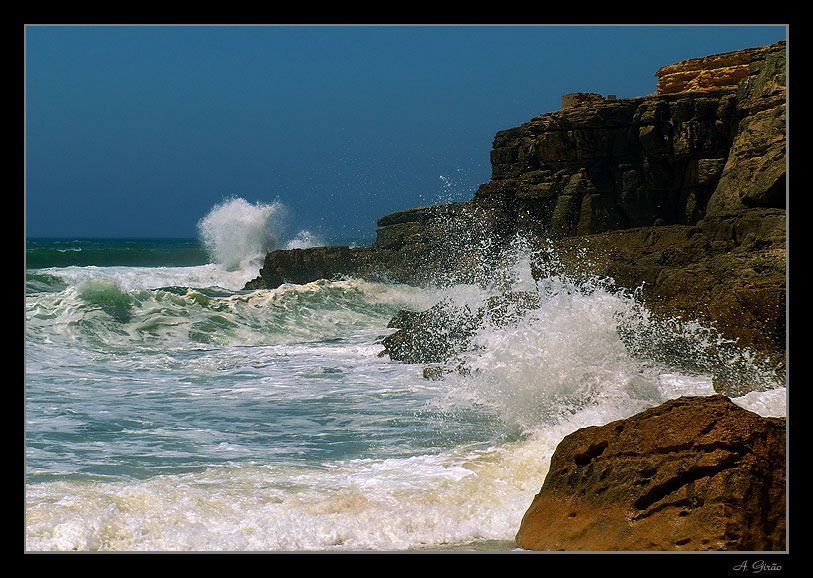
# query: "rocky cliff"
680,194
711,144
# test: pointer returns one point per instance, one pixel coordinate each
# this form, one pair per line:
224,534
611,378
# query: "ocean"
168,409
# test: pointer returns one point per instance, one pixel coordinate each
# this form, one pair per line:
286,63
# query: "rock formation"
299,266
696,473
680,195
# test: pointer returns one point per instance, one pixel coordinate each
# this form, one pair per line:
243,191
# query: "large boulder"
695,473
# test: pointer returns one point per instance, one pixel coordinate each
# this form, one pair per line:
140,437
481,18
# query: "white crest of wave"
238,234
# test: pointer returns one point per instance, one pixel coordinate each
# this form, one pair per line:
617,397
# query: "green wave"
104,314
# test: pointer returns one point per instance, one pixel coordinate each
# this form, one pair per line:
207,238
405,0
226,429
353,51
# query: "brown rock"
301,266
695,473
728,273
718,70
755,172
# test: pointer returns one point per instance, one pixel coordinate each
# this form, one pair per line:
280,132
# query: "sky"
138,131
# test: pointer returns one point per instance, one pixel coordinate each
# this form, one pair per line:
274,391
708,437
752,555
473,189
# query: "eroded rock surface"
695,473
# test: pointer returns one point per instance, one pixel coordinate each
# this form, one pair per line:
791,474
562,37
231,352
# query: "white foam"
384,504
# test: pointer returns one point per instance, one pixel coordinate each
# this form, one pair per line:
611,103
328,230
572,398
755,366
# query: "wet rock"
433,372
445,330
431,336
695,473
300,266
728,273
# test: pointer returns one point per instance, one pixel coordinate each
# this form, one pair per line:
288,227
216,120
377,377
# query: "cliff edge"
680,195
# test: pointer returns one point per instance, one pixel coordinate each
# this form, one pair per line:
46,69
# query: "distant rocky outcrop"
300,266
695,473
438,244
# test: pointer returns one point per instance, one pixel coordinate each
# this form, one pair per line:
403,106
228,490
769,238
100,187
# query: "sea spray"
238,234
552,360
303,240
585,348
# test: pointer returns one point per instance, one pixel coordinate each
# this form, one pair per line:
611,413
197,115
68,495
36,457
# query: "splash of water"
303,240
238,234
586,347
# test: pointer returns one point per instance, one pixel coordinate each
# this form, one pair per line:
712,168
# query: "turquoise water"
168,409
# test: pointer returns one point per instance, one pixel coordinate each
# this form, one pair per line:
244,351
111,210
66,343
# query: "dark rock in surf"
430,336
300,266
444,330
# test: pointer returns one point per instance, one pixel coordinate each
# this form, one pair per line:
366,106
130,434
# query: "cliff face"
613,165
683,191
711,141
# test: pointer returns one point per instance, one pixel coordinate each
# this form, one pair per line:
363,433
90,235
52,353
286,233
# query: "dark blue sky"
139,131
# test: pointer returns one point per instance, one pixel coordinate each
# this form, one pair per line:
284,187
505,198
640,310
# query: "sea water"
168,409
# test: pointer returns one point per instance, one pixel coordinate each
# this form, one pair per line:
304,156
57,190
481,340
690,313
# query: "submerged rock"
695,473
